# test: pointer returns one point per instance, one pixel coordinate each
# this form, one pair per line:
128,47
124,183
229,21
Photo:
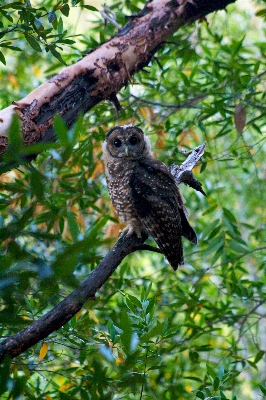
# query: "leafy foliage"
150,333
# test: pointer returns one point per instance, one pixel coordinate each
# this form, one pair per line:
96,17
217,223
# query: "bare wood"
103,72
183,173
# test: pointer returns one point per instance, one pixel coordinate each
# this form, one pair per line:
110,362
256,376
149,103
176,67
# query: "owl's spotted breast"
118,181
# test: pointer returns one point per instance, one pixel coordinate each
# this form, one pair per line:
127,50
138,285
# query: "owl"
144,193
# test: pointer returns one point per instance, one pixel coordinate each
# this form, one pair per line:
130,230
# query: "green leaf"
65,10
200,395
72,225
56,54
221,372
13,229
60,26
263,389
154,331
261,13
216,383
211,371
33,42
67,260
252,364
37,181
259,356
2,58
61,130
237,247
91,8
210,209
134,300
194,356
111,330
4,374
229,215
15,146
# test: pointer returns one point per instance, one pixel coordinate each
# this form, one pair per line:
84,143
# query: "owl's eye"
133,140
117,143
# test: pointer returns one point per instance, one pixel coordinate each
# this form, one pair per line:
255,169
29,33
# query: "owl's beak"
126,151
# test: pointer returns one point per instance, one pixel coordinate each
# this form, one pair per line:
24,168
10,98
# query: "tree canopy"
150,332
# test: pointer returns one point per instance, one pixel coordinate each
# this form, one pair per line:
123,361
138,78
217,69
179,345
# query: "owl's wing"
159,206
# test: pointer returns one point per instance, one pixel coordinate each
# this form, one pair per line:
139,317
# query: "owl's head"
127,142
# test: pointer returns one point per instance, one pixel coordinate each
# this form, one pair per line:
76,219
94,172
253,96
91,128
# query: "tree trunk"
104,71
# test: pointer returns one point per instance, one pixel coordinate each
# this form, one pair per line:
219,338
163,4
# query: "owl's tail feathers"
187,231
168,242
174,255
172,250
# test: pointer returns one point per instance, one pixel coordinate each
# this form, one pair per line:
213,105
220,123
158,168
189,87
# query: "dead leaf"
240,117
43,350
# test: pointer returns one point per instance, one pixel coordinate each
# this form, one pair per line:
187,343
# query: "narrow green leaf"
259,356
211,371
111,330
91,8
33,42
134,300
60,26
2,58
229,215
56,54
216,383
61,130
72,225
263,389
220,371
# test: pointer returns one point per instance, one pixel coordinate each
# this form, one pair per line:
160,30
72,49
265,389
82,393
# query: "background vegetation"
152,333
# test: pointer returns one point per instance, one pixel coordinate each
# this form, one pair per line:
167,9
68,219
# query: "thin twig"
187,104
149,248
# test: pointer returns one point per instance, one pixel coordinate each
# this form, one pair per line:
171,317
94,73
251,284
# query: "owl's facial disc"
128,143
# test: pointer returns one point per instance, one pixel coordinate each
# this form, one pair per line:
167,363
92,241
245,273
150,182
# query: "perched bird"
144,193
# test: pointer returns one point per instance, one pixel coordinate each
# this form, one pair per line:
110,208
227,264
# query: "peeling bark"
104,71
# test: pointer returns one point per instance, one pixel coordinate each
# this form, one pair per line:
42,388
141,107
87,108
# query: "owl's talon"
129,230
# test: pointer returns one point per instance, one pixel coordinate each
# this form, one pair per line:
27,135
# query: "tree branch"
186,104
64,311
183,173
104,71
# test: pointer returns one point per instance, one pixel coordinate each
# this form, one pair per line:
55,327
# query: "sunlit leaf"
43,351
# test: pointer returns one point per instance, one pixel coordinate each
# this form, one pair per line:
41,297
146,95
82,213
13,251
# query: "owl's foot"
129,230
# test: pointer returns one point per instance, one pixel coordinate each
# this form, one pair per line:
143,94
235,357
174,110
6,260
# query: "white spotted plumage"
144,193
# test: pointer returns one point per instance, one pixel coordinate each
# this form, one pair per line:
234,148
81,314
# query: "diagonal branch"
102,72
64,311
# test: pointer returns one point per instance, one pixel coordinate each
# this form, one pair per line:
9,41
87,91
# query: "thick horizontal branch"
104,71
